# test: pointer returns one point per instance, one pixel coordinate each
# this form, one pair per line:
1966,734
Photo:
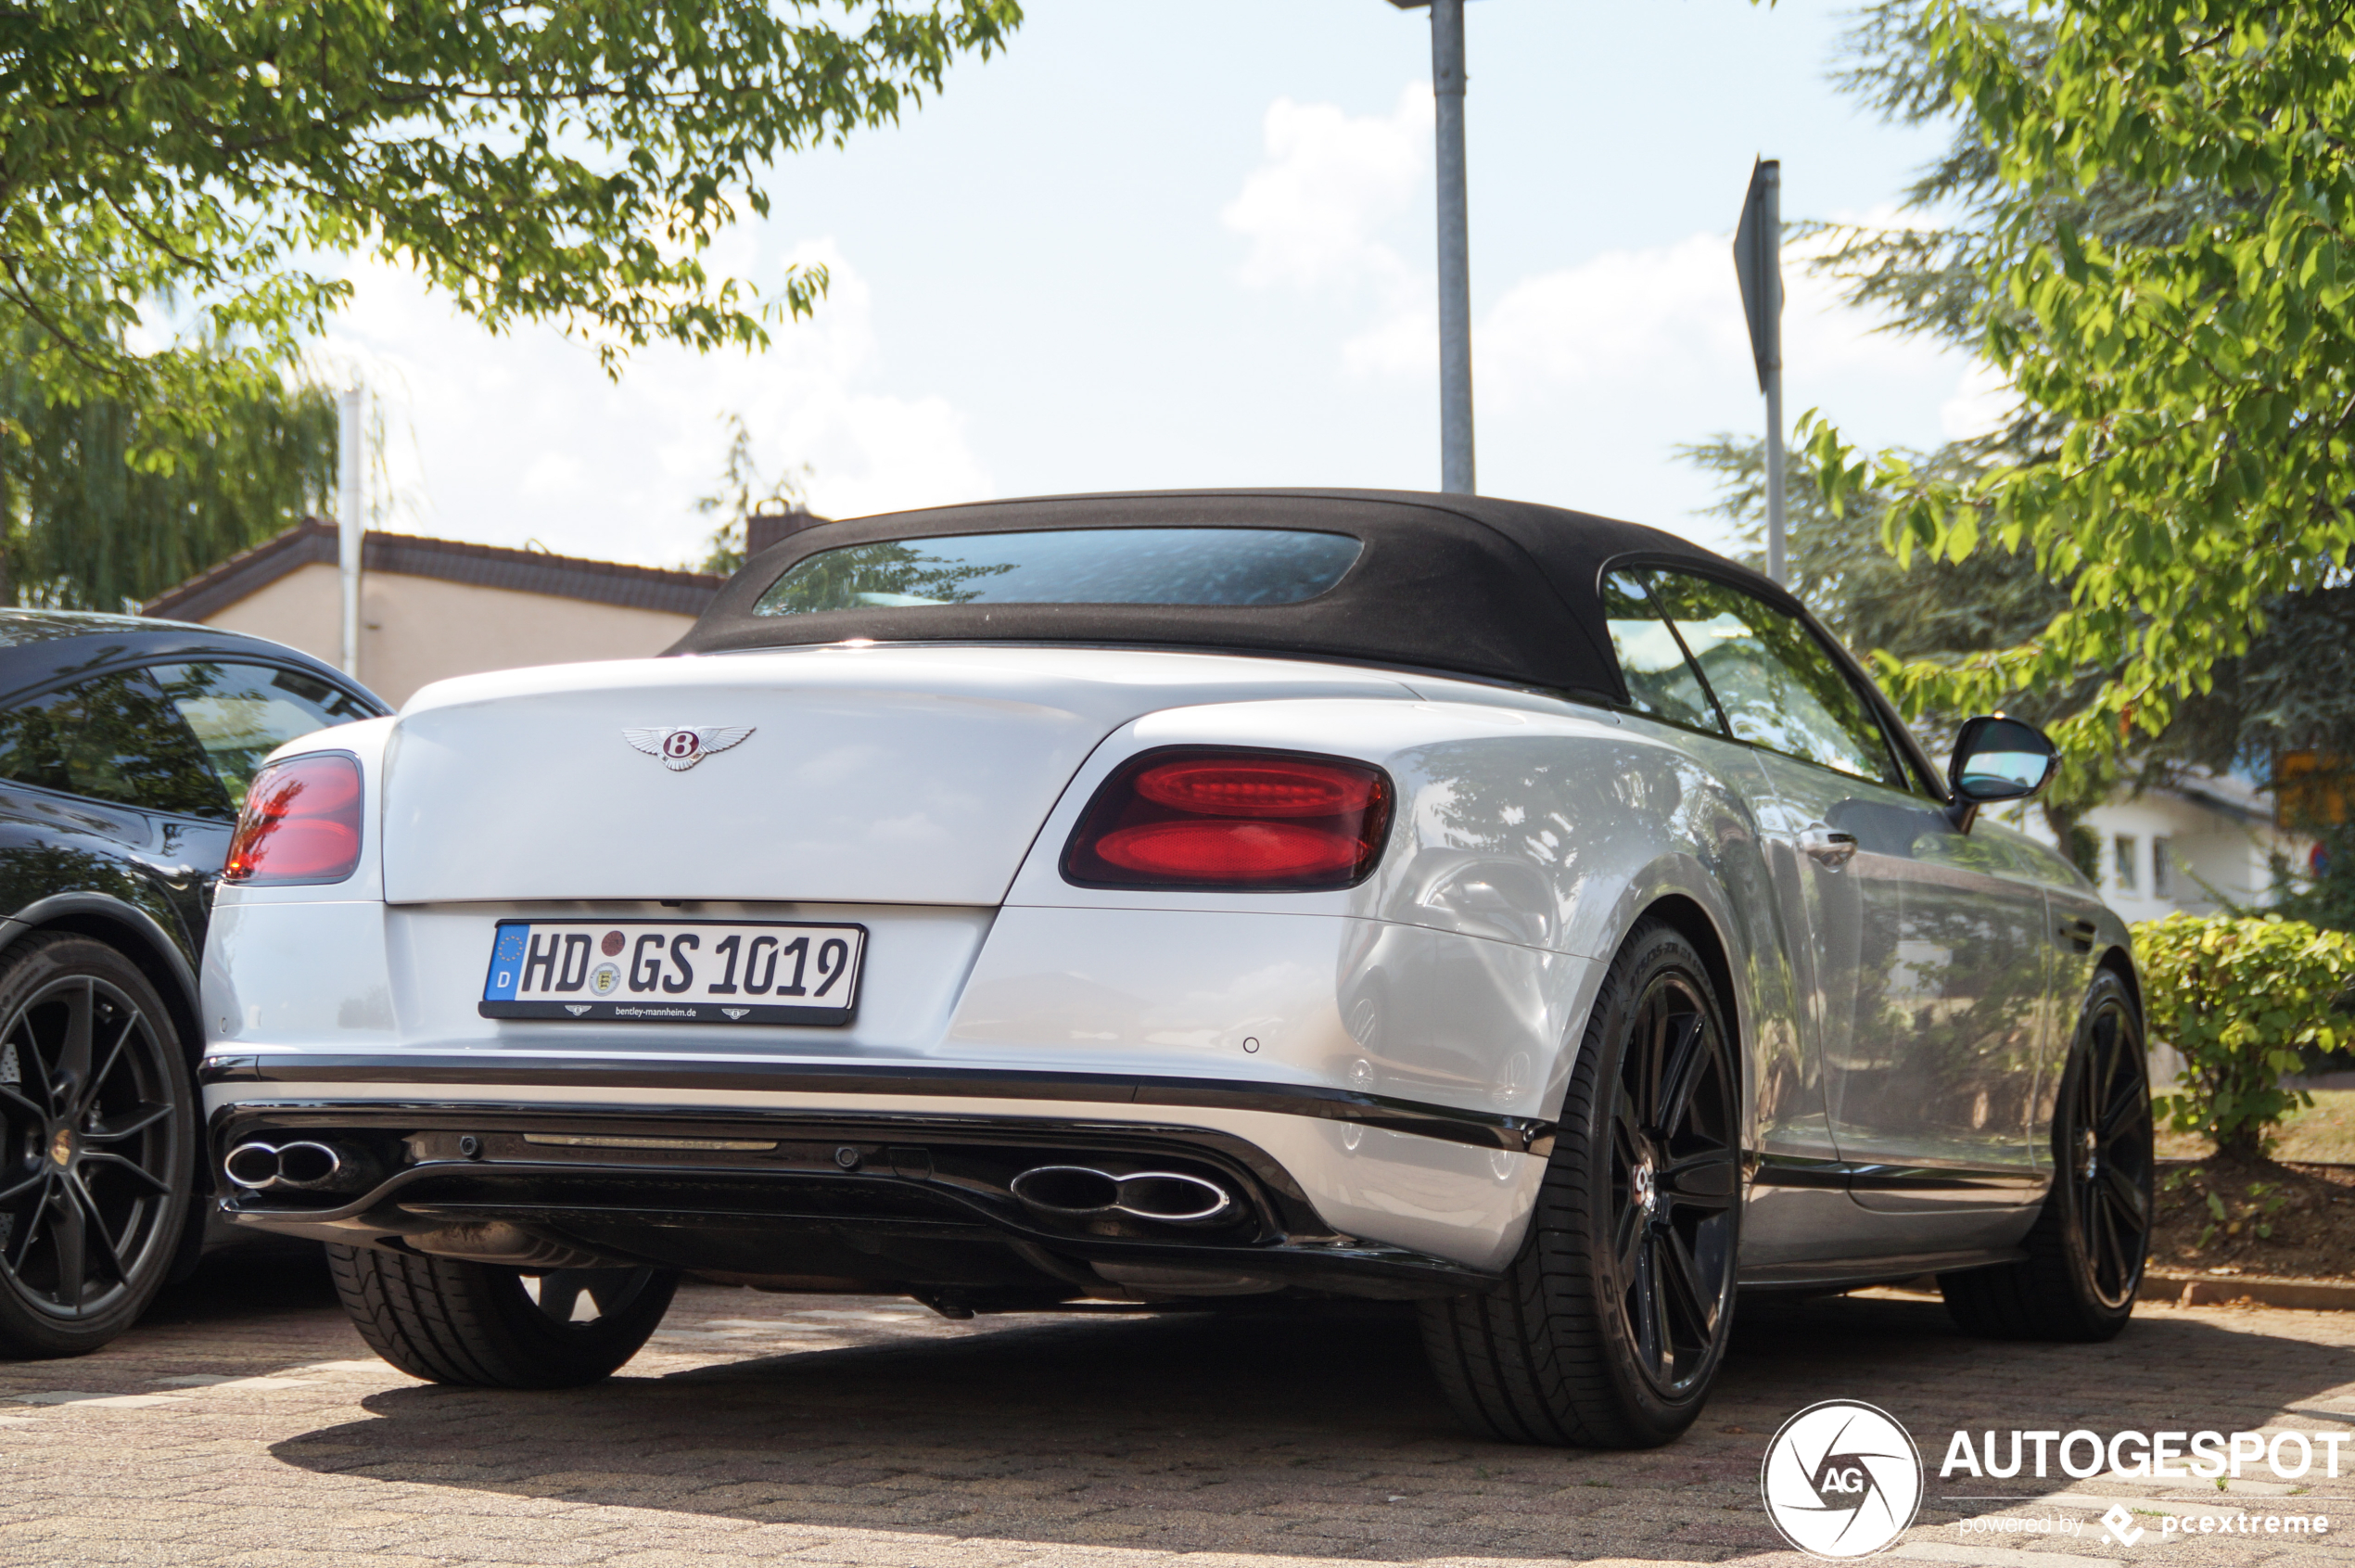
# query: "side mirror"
1997,759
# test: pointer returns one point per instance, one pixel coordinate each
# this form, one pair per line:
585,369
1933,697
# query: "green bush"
2239,997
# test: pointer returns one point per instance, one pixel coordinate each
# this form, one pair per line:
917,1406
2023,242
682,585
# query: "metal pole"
1774,226
1454,253
349,439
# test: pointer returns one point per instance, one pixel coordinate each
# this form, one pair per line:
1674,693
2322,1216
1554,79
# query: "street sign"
1758,262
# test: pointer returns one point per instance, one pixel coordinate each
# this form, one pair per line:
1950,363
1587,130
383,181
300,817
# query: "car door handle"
1828,845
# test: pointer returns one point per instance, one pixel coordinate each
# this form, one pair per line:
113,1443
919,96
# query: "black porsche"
126,745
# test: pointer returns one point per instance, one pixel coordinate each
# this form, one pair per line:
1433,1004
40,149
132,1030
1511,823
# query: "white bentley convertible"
1184,899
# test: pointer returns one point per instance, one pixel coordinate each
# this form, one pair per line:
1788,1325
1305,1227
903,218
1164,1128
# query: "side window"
116,738
241,713
1660,678
1779,685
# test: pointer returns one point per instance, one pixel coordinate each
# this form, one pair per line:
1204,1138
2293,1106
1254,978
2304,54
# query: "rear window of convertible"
1193,566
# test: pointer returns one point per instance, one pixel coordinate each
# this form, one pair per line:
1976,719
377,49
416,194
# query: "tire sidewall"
25,1329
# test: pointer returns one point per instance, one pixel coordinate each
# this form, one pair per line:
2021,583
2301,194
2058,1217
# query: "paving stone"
1247,1439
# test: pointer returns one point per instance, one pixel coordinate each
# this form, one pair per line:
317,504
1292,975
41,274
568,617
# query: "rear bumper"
898,1176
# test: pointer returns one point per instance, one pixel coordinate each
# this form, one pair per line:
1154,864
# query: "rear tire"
448,1320
1609,1327
2086,1252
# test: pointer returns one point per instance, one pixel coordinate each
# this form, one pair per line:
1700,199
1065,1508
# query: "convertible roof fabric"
1499,588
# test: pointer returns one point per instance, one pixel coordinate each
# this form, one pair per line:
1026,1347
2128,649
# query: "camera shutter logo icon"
1842,1479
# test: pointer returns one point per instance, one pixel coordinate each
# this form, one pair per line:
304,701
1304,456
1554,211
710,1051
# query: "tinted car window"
116,738
1660,678
240,713
1069,567
1778,684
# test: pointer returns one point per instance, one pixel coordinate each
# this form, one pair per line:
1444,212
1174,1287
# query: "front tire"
2086,1255
449,1320
96,1145
1609,1327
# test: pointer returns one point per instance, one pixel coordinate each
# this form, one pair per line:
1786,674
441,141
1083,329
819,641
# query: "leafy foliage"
82,528
2240,998
742,494
565,161
2165,274
1922,609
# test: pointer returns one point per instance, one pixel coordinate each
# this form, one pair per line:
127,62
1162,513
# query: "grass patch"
2323,1134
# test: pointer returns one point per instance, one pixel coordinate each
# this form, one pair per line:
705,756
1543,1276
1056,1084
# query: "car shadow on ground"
268,1279
1291,1432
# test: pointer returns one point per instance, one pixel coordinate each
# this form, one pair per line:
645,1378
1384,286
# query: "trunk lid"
863,775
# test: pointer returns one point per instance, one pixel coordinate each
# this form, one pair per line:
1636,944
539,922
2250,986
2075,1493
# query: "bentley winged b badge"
682,749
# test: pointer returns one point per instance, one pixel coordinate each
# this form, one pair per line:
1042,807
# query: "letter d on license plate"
674,972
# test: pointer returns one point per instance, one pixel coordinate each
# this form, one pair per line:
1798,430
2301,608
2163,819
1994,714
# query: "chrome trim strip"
1791,1170
1520,1135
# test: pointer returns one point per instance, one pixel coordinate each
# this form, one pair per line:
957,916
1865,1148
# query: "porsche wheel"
96,1151
1610,1326
2086,1252
449,1320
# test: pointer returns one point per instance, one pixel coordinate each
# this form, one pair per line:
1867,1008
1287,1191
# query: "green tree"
82,527
1916,610
742,494
2162,197
565,161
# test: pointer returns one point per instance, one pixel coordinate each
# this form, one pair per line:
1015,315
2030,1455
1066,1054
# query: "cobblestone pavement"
244,1423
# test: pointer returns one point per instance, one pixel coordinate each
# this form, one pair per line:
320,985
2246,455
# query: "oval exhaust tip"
1173,1196
307,1165
252,1164
1067,1189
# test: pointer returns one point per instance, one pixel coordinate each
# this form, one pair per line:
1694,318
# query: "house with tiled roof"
430,608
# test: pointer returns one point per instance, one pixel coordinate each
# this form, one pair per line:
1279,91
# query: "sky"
1157,245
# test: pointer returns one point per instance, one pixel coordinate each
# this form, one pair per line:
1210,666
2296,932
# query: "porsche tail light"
1265,821
300,822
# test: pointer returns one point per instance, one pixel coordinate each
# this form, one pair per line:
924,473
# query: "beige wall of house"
416,630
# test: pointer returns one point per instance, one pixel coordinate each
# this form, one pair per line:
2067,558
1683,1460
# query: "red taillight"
1265,821
301,823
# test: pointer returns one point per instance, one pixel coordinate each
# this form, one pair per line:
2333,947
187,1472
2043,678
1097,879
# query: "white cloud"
505,439
1670,316
1317,208
1984,400
1588,375
1592,375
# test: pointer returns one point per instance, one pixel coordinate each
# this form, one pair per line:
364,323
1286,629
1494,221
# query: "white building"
2206,843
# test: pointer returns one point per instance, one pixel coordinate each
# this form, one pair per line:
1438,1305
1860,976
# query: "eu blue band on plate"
506,963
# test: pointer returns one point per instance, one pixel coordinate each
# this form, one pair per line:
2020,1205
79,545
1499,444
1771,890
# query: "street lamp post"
1454,246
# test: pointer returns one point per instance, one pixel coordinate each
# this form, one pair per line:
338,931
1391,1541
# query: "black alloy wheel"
1609,1327
1674,1164
2086,1252
97,1158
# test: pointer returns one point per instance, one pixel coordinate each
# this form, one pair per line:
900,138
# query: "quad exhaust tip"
304,1166
1084,1192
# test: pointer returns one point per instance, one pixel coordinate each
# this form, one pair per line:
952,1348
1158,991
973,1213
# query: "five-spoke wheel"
96,1157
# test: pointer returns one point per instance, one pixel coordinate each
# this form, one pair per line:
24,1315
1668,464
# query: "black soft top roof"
1503,589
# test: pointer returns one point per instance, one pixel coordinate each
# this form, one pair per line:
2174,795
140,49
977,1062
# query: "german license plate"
674,972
